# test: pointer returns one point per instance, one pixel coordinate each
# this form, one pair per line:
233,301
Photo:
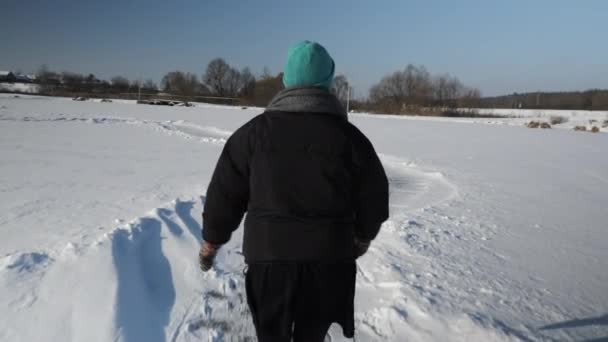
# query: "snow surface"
497,233
520,117
20,88
586,118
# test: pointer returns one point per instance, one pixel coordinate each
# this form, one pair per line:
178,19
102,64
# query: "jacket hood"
307,100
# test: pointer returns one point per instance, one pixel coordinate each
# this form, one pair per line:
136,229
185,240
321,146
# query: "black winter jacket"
309,180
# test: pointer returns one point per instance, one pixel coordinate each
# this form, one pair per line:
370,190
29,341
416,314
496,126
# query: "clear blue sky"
498,46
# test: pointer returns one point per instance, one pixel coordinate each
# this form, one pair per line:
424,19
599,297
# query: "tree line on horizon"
414,87
593,99
220,82
410,90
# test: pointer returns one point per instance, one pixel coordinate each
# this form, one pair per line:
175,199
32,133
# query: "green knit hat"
308,64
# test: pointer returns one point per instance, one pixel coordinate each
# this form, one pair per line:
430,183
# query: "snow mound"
412,188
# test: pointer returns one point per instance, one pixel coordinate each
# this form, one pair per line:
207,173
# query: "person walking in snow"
315,194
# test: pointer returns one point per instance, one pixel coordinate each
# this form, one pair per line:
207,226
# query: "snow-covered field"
573,118
497,233
521,117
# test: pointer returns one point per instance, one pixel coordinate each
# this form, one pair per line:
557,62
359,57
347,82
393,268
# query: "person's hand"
361,247
206,255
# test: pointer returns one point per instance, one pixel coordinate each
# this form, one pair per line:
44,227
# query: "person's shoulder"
253,122
246,134
353,129
356,136
250,125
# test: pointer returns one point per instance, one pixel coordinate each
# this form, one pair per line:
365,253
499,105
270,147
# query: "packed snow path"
429,276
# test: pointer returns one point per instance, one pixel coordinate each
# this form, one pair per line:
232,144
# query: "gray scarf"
306,100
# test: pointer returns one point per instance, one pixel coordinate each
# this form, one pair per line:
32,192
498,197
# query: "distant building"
7,77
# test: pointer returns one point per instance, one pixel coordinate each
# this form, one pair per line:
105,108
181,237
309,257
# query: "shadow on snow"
576,323
184,212
145,294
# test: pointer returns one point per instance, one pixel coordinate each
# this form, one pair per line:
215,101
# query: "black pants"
301,300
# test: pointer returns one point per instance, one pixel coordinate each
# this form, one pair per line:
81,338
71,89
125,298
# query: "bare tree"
232,82
149,86
455,89
414,87
224,80
390,94
248,82
120,84
447,89
135,85
216,76
470,98
266,88
417,83
180,83
72,81
170,81
440,88
340,88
